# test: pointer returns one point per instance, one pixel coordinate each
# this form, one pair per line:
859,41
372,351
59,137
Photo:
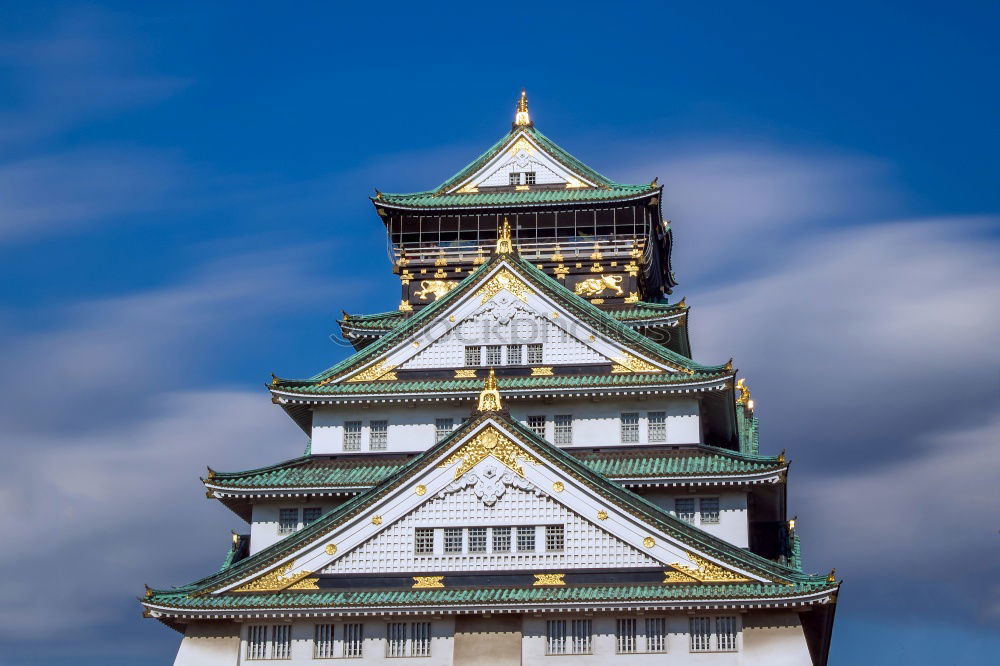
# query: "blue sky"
183,210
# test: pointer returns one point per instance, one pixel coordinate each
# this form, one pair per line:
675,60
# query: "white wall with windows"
721,513
351,429
273,520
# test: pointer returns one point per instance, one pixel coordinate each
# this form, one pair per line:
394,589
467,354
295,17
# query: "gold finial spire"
744,396
504,246
521,118
489,398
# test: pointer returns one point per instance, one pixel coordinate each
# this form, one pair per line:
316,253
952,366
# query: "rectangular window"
473,355
526,539
443,428
477,539
656,634
256,641
562,429
529,178
534,354
581,637
493,355
657,426
537,425
630,428
395,639
514,355
453,540
625,642
555,637
352,435
501,539
709,510
288,521
684,508
354,639
378,437
423,541
725,633
311,514
555,538
420,643
323,642
281,641
515,179
701,634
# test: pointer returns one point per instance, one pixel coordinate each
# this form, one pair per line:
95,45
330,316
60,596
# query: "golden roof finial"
489,398
744,396
504,246
521,118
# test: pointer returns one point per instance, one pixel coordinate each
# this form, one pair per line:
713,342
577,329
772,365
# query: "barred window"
281,641
443,428
656,634
515,179
581,637
311,514
555,637
421,642
537,425
684,508
526,539
473,355
423,541
625,642
493,355
288,521
378,435
630,428
725,633
501,539
709,510
657,426
395,639
514,355
323,643
534,354
554,538
563,429
453,540
701,634
257,641
418,645
477,539
354,639
352,435
529,178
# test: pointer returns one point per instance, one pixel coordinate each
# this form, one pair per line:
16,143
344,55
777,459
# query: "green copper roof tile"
517,197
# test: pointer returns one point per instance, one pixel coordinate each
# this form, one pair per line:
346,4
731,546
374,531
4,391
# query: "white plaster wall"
209,644
264,520
595,423
733,525
543,174
775,639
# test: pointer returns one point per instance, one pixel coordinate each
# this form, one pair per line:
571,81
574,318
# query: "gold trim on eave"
422,582
549,579
381,371
279,579
706,572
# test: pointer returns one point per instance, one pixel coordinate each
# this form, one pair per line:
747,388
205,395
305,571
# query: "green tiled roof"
363,471
643,310
516,197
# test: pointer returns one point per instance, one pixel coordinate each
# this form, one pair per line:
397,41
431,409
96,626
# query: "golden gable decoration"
489,442
706,572
504,279
381,371
279,579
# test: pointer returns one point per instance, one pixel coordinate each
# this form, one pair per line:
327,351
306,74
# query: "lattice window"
657,426
493,355
473,355
501,539
725,633
555,538
395,639
288,520
562,429
423,541
526,539
477,539
443,428
656,634
684,509
537,425
582,633
529,178
453,540
630,428
515,355
281,641
323,642
311,514
555,637
625,638
257,641
352,435
515,178
535,354
378,437
420,643
353,639
709,510
701,634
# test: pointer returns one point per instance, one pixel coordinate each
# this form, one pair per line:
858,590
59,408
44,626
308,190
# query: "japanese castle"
520,462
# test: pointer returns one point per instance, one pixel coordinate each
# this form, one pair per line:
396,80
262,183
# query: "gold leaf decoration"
373,372
489,442
376,520
420,582
331,549
420,490
558,486
541,371
602,515
504,279
630,363
465,374
649,542
549,579
705,572
274,580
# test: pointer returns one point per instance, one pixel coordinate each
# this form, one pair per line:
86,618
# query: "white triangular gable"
519,155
